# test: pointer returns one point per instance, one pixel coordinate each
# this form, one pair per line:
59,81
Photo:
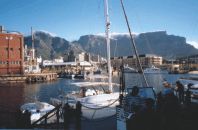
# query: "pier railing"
48,115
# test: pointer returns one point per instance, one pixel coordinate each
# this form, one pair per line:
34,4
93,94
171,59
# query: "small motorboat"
154,70
37,109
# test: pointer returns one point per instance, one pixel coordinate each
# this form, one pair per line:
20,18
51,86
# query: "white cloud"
193,43
52,34
116,34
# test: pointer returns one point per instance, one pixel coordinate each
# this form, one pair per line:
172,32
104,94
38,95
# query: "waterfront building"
59,60
145,59
11,52
83,57
70,57
31,64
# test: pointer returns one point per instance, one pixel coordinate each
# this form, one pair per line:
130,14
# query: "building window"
11,49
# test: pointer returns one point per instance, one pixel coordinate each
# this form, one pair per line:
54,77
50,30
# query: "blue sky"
73,18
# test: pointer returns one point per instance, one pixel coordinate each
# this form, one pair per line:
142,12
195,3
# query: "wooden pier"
41,77
12,78
29,78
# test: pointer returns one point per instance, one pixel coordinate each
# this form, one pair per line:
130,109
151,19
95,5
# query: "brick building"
11,53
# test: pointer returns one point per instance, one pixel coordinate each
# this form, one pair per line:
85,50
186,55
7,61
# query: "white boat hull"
37,109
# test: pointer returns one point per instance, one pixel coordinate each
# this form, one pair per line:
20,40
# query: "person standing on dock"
180,90
136,105
188,95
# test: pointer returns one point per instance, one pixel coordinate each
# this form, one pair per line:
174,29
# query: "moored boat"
36,109
154,70
128,69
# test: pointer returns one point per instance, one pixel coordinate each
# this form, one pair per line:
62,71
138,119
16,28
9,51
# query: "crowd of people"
159,115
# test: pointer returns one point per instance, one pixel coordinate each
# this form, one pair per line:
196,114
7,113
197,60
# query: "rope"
133,43
100,107
93,114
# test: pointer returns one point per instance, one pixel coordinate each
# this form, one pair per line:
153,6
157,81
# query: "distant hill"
50,47
160,43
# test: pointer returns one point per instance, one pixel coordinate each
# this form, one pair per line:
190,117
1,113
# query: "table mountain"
159,42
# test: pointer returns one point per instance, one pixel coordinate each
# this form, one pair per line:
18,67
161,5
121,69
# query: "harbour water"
14,95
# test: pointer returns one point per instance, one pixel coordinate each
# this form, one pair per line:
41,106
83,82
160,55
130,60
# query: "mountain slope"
50,47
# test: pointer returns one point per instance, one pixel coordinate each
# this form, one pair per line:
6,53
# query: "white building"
59,60
31,64
84,57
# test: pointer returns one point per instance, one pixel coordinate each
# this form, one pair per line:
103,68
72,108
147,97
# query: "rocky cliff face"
159,43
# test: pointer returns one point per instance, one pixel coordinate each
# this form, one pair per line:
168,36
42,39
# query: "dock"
29,78
40,77
12,78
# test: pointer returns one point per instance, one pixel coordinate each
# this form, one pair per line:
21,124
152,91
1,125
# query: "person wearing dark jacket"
180,90
188,95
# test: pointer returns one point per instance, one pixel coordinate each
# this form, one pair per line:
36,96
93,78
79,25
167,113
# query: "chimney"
1,29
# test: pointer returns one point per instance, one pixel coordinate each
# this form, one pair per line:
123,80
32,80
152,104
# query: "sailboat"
108,98
105,98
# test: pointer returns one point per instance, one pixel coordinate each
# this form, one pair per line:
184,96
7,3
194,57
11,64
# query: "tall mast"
107,25
33,51
32,34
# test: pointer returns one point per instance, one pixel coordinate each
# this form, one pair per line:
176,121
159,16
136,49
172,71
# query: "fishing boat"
36,109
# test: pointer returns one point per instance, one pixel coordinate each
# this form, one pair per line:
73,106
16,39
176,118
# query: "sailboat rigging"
141,93
133,44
